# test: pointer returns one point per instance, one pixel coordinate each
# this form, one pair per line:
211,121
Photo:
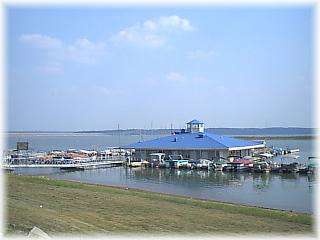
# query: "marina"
189,148
292,192
272,177
175,119
85,159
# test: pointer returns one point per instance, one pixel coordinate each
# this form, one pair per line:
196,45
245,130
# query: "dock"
77,166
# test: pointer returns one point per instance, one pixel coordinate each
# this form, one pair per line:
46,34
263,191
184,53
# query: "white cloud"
175,22
175,76
150,25
81,50
199,79
91,90
40,41
84,51
51,68
102,90
138,35
152,32
200,54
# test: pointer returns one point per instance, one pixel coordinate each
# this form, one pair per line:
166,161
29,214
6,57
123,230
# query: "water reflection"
259,181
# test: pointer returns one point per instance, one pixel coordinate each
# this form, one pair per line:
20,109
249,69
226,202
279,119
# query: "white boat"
157,160
261,167
220,165
177,161
204,164
290,156
134,164
294,150
266,155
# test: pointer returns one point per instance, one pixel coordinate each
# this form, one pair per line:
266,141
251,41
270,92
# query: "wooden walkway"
85,165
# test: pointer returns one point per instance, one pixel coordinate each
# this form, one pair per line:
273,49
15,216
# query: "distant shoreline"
243,136
272,131
278,137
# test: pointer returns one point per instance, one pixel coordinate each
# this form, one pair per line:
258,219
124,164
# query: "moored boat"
275,167
135,164
289,168
177,161
204,164
261,167
241,165
157,160
192,164
220,165
294,150
303,169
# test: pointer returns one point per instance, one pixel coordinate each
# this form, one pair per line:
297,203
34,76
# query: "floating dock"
74,166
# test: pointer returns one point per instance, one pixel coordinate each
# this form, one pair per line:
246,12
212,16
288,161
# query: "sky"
73,68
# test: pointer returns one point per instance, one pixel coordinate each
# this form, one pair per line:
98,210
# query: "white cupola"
195,126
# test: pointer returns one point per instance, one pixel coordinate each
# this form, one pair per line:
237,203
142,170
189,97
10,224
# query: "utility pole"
151,129
118,135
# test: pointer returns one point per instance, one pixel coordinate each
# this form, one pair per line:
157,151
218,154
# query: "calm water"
46,142
288,192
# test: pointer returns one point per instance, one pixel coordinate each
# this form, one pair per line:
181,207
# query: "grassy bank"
58,206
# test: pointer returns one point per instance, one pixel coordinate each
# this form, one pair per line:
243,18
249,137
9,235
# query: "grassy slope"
70,207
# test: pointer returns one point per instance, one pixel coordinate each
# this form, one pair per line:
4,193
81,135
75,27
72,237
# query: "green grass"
71,207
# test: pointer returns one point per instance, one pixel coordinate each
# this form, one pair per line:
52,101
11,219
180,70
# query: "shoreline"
100,208
177,195
277,137
241,136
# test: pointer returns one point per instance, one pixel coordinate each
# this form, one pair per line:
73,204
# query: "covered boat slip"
145,154
194,143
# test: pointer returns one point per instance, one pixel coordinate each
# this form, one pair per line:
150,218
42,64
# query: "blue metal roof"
195,121
192,141
231,142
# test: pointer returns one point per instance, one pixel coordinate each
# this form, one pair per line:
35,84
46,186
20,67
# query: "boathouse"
195,143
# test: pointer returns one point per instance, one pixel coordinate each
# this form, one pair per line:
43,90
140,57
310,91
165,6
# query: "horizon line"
150,129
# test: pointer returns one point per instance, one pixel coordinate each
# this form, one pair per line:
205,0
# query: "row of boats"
245,164
70,156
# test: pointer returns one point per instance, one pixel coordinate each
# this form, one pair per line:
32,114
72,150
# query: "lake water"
49,141
289,192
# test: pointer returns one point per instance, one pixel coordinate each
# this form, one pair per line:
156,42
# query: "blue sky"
92,68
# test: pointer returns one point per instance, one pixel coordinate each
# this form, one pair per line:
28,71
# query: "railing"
63,165
32,162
